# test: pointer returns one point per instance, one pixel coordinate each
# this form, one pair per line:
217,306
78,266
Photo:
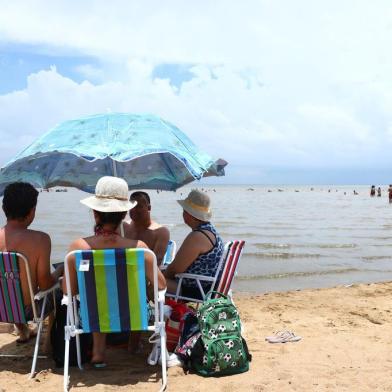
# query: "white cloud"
304,83
90,72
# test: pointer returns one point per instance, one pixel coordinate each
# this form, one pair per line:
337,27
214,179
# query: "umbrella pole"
115,175
114,168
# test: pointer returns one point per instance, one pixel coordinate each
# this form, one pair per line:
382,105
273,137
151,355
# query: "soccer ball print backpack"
220,350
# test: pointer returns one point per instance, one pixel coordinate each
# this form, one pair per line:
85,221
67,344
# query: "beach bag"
189,336
220,350
175,323
58,342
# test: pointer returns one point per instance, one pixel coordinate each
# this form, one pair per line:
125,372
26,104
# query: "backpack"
58,343
220,350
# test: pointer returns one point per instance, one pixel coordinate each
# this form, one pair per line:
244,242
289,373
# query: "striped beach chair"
223,278
170,254
113,298
12,308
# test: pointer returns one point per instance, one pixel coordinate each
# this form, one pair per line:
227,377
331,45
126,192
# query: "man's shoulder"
36,235
157,227
162,232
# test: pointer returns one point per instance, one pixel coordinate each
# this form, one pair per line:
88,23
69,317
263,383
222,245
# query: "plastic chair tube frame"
34,297
72,330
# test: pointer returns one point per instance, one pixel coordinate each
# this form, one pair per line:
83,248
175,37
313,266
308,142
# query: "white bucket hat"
111,195
197,204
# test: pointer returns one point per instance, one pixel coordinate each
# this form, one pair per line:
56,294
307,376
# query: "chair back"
170,252
223,283
11,296
112,290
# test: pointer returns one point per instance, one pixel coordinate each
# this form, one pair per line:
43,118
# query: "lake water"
295,238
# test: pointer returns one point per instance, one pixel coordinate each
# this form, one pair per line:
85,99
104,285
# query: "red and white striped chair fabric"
230,267
222,281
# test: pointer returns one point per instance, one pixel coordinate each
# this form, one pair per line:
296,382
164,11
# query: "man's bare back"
143,228
19,204
35,245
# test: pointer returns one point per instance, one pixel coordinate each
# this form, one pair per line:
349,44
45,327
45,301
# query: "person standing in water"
379,192
373,191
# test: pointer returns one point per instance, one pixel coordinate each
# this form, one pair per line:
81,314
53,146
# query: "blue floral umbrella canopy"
148,152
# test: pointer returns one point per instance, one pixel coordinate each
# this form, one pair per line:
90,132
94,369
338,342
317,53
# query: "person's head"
110,202
141,212
20,201
196,208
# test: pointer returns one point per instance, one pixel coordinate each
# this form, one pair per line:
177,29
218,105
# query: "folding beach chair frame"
33,297
72,329
170,253
225,272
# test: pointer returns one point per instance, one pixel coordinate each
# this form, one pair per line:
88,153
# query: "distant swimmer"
355,192
297,190
390,193
378,192
329,191
373,191
312,189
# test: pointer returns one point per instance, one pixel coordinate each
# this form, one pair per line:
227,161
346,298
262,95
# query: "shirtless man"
143,228
19,203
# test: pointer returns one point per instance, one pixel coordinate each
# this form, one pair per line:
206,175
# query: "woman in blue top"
201,250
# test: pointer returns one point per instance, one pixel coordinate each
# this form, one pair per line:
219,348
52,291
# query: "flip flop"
99,365
283,337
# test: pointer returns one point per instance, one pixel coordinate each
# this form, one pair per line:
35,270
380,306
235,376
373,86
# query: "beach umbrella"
145,150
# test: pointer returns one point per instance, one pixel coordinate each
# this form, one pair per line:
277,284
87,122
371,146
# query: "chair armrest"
194,276
42,294
65,300
161,295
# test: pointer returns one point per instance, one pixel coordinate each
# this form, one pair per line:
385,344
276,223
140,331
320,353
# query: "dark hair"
19,199
111,218
136,194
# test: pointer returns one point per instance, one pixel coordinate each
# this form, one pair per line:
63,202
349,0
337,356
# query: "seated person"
143,228
19,204
201,250
110,205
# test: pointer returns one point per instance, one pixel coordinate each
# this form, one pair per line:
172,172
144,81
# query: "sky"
286,91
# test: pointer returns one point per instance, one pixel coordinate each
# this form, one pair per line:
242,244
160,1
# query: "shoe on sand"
283,337
171,360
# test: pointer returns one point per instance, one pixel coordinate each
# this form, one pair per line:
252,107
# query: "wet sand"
346,346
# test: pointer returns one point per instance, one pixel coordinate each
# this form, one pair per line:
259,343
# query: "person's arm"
186,255
163,237
45,279
149,268
76,245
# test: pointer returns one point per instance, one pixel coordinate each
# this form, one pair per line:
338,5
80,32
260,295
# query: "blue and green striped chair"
12,308
113,298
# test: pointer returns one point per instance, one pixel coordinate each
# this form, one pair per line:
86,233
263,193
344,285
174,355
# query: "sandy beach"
346,346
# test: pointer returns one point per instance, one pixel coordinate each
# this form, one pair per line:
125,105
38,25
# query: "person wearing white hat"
110,205
201,250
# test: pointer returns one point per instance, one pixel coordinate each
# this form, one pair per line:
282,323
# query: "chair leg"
66,363
37,339
163,358
78,355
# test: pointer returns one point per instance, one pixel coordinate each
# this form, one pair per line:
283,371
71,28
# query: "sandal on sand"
99,365
283,337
